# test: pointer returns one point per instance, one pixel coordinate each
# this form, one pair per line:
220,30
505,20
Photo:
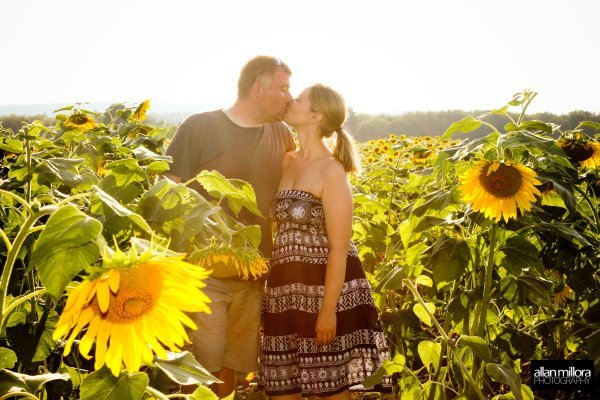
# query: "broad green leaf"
65,171
422,313
156,394
424,280
11,145
122,211
437,200
142,153
429,352
183,369
8,358
529,140
537,289
564,190
478,345
239,194
449,260
75,374
65,247
103,385
125,172
589,124
506,375
563,230
465,125
165,201
157,167
44,329
12,382
518,253
593,345
533,125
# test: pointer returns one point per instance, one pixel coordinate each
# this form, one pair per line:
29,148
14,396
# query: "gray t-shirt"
211,141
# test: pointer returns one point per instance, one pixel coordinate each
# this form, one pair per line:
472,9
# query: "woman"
321,334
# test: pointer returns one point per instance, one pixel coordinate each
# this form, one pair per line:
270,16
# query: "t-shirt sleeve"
185,148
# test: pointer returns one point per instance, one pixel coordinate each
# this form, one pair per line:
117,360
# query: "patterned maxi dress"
292,361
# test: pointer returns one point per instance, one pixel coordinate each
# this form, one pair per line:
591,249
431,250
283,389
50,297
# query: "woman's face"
300,112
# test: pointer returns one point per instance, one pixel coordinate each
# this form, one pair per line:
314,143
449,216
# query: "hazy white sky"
383,56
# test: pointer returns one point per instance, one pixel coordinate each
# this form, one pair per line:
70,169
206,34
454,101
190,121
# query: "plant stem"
16,302
14,252
529,100
18,199
487,286
445,338
593,207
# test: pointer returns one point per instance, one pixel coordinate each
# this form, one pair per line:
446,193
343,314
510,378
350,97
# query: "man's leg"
209,340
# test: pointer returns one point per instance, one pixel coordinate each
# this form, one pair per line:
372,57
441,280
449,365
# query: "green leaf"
430,352
533,125
8,358
449,260
589,124
375,378
65,247
204,393
424,280
103,385
44,329
532,141
11,145
13,382
422,313
183,369
157,167
518,253
125,172
122,211
65,171
437,200
75,374
593,345
478,345
507,376
465,125
239,194
563,230
142,153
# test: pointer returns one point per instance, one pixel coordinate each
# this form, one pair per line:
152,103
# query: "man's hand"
326,324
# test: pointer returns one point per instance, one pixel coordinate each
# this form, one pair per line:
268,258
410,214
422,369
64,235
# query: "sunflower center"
578,151
504,182
139,292
79,119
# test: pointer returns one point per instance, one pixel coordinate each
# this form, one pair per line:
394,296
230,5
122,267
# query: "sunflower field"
483,255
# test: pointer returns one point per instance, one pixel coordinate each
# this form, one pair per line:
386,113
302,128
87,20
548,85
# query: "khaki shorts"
229,336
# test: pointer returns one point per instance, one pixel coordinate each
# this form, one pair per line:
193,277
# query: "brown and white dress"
292,361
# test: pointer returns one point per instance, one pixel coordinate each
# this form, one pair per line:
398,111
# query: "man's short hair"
256,68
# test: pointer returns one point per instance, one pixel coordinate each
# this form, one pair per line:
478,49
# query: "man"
246,141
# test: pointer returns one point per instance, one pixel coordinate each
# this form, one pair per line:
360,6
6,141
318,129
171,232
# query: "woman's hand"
326,324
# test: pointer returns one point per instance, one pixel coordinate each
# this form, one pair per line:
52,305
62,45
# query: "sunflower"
564,294
134,308
498,188
80,121
582,149
140,112
225,262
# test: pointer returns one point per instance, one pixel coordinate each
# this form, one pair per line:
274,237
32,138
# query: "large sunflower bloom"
140,112
80,121
134,311
498,188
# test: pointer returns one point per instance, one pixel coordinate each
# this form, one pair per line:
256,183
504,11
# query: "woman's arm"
337,205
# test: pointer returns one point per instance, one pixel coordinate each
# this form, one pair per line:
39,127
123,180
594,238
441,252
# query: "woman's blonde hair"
332,107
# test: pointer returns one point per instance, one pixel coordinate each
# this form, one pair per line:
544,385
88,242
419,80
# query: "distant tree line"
433,123
363,126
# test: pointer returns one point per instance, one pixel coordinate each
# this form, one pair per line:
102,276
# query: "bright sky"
383,56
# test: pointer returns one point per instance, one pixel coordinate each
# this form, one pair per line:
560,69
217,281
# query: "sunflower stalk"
487,285
445,338
12,255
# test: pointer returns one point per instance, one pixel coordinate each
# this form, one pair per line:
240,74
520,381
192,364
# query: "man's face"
275,96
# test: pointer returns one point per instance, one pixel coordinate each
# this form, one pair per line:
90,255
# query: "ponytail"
331,105
345,151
